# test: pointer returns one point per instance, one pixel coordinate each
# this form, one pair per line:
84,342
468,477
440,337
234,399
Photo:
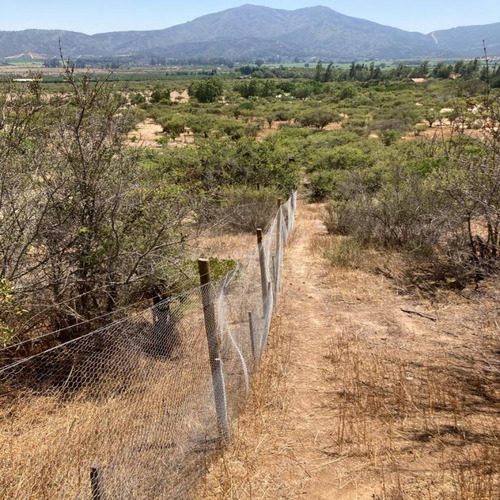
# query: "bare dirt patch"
444,132
148,132
333,126
176,96
146,135
267,131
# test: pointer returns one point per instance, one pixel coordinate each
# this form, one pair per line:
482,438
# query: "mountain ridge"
251,31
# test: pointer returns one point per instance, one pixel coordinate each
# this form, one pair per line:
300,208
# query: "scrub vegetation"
109,186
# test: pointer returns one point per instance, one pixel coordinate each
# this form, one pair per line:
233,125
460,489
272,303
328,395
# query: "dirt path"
287,456
307,314
367,392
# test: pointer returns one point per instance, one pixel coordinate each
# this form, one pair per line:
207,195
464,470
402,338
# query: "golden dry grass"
236,473
147,420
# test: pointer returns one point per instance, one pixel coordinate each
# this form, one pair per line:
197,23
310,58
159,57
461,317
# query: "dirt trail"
286,458
307,314
366,392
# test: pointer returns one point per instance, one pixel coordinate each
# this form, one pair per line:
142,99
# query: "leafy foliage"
208,90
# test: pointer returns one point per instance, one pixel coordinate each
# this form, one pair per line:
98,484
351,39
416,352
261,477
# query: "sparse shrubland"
92,220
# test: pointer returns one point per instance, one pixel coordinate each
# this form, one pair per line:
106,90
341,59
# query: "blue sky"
97,16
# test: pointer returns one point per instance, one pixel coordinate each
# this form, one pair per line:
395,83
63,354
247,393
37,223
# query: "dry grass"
236,473
422,422
143,422
145,417
414,380
133,398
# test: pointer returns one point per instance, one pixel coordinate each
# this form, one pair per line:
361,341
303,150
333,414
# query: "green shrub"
246,209
345,252
324,183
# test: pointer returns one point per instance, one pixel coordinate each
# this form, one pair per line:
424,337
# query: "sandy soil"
266,131
148,132
179,96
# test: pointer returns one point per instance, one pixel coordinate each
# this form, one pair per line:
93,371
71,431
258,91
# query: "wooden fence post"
96,482
214,351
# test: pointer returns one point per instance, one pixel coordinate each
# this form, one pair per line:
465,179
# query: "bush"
208,90
246,209
403,214
345,252
319,118
160,95
324,183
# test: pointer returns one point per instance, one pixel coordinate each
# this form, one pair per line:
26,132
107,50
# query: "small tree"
208,90
82,226
430,116
160,95
318,117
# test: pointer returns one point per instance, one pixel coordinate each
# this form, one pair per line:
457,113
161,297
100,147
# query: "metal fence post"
278,228
268,317
96,482
279,249
214,351
252,338
263,270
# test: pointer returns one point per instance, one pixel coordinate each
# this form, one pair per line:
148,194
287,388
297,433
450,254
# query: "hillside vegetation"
92,223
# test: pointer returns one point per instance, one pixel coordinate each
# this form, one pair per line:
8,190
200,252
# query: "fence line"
131,410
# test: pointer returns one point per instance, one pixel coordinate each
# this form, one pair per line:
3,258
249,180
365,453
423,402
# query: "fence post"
252,339
214,351
294,208
268,316
279,248
278,227
263,270
96,482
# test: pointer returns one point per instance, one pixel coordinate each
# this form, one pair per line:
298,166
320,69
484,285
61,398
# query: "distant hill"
468,40
251,31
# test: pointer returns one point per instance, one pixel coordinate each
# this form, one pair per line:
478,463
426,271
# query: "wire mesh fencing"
133,410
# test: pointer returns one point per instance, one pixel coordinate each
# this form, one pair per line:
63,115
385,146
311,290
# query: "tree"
318,75
83,227
421,71
208,90
442,70
319,118
160,95
430,116
328,76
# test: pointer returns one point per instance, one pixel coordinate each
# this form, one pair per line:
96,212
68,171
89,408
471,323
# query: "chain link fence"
134,409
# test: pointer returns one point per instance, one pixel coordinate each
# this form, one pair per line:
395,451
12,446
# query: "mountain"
251,31
468,40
